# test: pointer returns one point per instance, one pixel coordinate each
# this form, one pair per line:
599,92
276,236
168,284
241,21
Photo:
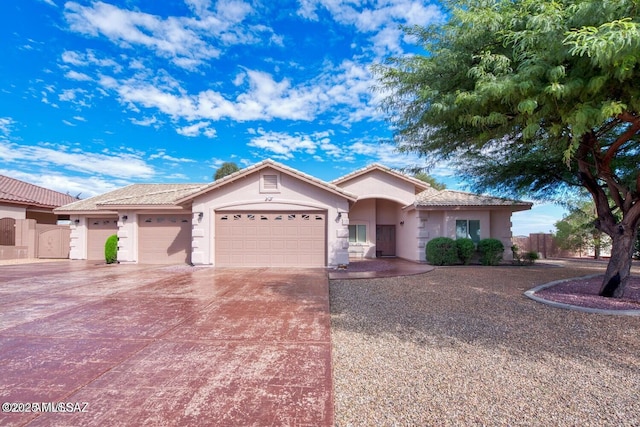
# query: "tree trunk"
619,267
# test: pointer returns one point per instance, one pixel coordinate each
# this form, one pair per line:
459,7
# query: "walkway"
380,267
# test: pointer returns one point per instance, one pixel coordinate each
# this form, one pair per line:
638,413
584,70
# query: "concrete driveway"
157,345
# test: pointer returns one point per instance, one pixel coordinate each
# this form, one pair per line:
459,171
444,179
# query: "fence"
24,238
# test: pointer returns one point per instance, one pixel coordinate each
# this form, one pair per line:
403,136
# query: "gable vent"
270,182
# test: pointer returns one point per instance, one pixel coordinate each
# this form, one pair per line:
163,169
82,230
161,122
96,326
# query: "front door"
386,240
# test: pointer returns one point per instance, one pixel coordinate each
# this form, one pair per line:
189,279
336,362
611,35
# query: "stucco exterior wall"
493,224
247,194
408,236
15,212
378,184
501,229
363,212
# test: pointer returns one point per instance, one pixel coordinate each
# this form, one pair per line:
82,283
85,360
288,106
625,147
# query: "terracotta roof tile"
443,198
20,192
135,194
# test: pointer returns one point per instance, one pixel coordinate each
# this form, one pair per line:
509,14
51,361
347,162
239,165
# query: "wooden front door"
386,240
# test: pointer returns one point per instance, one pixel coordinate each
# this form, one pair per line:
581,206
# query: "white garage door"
270,239
164,239
98,230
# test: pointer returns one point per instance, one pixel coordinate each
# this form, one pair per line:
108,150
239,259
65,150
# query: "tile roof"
19,192
418,183
135,194
435,198
279,166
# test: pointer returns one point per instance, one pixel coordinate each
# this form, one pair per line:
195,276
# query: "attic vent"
270,182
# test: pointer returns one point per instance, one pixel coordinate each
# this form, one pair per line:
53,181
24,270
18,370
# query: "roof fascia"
273,165
416,182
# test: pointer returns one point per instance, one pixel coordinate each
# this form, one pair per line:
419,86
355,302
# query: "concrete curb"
531,294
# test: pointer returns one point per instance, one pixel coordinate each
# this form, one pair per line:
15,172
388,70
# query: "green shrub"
442,251
111,249
527,258
465,248
531,257
490,251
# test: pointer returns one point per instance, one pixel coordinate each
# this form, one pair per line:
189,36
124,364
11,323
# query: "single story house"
27,222
21,200
272,215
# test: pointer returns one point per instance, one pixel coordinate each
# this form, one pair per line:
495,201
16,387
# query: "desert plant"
526,258
465,248
111,249
490,251
442,251
531,257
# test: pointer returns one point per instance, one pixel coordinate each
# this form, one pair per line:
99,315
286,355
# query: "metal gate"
7,232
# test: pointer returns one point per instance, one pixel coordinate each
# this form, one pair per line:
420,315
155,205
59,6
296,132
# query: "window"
468,229
357,233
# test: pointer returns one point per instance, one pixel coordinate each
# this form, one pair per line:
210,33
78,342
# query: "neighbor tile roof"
443,198
135,194
19,192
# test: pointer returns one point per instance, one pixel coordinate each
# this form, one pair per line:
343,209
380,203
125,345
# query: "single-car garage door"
164,239
98,230
270,239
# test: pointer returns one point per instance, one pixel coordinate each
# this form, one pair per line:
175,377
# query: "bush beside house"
111,249
466,248
442,251
491,251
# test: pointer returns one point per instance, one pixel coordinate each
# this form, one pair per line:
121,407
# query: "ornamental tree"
531,97
227,168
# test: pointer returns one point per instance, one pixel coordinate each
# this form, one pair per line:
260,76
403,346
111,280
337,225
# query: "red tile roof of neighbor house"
22,193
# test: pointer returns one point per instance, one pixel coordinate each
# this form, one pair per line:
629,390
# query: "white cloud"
50,3
386,154
89,59
284,146
197,129
74,75
379,18
186,41
162,154
6,123
82,186
121,165
147,121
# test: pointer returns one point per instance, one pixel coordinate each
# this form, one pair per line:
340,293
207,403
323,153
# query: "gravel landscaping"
463,346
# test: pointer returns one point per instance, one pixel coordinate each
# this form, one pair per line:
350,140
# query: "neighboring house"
24,206
272,215
21,200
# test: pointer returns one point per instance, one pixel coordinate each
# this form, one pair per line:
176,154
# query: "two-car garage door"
270,239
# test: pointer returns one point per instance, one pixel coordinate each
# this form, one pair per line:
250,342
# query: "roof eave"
263,165
376,166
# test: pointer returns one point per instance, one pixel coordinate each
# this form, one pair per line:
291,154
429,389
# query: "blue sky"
97,95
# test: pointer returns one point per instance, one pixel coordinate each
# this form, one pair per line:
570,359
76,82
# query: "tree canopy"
531,97
434,183
227,168
577,232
